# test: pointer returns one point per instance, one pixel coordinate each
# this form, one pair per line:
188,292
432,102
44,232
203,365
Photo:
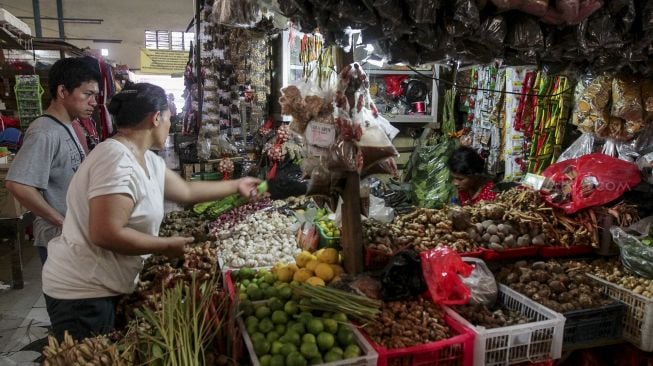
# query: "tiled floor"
24,320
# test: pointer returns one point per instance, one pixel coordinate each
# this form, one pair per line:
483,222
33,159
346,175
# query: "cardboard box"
10,208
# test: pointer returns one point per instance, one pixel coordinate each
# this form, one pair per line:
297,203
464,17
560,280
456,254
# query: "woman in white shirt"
115,208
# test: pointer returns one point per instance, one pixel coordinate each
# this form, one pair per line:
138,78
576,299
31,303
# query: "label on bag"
320,134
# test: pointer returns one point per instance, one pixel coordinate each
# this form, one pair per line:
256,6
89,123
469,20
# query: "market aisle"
24,320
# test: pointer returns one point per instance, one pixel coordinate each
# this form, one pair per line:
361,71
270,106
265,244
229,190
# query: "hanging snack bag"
626,98
374,144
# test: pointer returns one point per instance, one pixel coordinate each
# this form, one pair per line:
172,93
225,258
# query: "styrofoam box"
638,318
536,341
369,357
14,23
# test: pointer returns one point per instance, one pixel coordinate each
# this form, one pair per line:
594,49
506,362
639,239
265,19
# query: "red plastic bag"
440,268
393,85
590,180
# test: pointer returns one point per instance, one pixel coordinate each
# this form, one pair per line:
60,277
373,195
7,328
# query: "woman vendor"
115,207
467,170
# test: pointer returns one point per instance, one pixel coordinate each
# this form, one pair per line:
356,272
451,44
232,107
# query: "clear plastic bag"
237,13
636,246
481,283
320,182
626,98
373,144
379,211
583,145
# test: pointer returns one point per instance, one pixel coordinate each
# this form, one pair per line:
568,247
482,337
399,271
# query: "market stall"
349,262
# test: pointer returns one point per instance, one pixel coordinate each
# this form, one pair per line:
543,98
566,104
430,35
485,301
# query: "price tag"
320,134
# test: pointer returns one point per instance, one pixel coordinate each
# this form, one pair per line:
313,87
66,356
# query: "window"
167,40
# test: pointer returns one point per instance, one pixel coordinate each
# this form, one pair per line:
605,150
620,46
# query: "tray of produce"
637,295
418,332
585,328
515,330
564,287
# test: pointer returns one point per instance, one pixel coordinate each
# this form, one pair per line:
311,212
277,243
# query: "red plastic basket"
229,284
513,253
553,252
475,254
375,259
455,351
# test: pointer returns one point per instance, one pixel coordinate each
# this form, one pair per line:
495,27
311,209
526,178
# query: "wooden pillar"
352,228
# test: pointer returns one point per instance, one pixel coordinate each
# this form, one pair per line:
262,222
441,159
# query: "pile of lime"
329,228
282,334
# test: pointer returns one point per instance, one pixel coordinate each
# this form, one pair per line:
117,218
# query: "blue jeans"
82,318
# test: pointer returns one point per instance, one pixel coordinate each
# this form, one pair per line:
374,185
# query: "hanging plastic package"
627,101
320,182
288,181
402,277
590,110
388,9
374,144
423,11
584,145
387,166
636,244
588,181
441,268
525,34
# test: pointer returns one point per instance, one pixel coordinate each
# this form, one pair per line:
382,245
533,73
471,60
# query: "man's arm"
33,200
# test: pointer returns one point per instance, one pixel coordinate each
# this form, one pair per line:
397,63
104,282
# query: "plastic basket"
475,254
584,328
512,253
540,340
638,317
555,252
369,357
327,241
455,351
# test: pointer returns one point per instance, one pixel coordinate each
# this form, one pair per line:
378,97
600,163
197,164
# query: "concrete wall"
126,20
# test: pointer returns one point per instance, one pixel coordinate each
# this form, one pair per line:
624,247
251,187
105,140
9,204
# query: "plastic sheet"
591,180
583,145
441,268
388,9
636,246
379,211
431,183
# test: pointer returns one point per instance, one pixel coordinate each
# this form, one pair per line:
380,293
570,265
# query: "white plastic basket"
369,357
536,341
638,318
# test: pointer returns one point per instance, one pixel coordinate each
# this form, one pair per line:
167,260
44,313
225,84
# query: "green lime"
340,318
288,348
276,347
293,337
272,336
345,337
352,351
275,304
298,327
295,359
327,315
251,329
285,292
261,347
304,317
279,317
246,283
325,341
265,325
246,273
280,328
308,338
247,310
251,321
265,360
263,285
330,325
270,278
304,304
332,357
278,360
257,336
291,308
254,293
337,350
242,296
263,312
316,360
315,326
309,350
269,292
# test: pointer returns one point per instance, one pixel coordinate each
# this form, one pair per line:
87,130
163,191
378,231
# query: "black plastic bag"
288,181
389,10
525,34
423,11
402,278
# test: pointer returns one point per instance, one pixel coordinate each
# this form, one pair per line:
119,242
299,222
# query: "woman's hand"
247,187
175,246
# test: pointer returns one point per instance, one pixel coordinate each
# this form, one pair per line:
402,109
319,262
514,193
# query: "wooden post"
352,228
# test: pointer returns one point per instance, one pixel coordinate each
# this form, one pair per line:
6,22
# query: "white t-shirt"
78,269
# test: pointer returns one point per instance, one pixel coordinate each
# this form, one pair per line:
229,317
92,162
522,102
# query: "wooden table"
12,231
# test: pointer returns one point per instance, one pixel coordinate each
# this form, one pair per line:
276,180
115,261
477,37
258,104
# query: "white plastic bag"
379,211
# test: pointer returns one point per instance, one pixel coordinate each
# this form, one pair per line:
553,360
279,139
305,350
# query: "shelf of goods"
538,340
